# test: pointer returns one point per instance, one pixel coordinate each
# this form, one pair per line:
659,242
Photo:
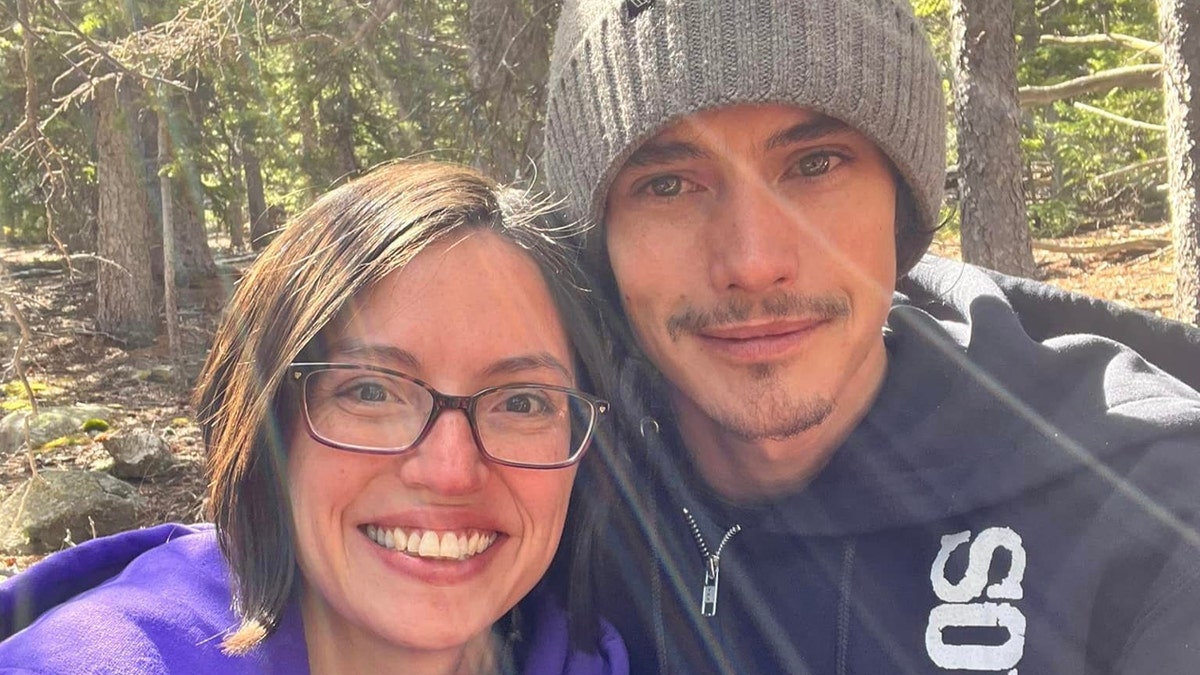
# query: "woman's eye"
524,404
370,392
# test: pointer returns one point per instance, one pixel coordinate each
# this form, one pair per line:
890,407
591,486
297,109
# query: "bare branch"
1143,76
31,89
18,365
29,120
1137,124
1132,168
1101,39
376,17
48,155
103,53
1044,10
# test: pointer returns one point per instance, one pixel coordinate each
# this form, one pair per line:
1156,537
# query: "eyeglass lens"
375,411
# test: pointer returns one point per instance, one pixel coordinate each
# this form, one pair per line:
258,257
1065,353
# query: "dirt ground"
70,363
1136,278
67,362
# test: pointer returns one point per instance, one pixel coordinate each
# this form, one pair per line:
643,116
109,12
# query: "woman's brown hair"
348,240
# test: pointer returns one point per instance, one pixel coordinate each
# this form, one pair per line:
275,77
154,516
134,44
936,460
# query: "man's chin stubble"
773,420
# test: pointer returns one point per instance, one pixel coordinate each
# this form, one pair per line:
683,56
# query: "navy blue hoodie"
1008,505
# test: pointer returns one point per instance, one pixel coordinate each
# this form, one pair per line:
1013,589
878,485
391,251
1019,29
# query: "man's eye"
665,186
816,164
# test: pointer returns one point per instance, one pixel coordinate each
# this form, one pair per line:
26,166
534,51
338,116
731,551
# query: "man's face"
754,250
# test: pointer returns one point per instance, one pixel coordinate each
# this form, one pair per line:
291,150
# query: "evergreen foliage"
323,89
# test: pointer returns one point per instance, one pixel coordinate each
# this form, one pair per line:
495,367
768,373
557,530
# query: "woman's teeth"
430,544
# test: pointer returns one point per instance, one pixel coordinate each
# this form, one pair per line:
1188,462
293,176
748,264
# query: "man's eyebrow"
528,362
806,131
652,154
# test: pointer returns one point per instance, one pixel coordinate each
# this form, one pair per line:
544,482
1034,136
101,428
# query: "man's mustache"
692,319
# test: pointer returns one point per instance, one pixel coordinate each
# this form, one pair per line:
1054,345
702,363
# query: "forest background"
149,148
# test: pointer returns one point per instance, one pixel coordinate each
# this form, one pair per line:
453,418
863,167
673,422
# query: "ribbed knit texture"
616,81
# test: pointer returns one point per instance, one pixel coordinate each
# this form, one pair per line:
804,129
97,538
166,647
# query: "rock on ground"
50,423
56,508
138,453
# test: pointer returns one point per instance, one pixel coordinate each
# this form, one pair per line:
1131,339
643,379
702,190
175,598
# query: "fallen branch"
1143,245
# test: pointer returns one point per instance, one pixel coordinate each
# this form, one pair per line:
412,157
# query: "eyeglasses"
380,411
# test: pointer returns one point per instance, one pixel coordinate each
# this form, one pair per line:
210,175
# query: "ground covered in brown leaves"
1126,264
69,362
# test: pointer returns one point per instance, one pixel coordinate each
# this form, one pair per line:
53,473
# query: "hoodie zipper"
712,564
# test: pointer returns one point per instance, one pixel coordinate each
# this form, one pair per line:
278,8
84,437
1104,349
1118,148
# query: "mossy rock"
16,398
63,442
48,425
95,425
16,389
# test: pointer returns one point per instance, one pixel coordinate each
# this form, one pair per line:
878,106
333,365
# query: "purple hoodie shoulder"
159,601
147,601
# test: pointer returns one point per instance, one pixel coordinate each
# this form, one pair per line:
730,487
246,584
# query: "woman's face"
466,314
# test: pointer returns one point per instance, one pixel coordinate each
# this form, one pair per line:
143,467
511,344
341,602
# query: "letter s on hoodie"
963,605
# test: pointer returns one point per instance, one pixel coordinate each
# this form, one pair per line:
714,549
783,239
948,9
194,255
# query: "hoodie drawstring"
845,583
648,426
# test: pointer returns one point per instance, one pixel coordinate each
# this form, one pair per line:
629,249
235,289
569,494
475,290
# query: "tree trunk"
1179,22
256,201
337,114
508,61
194,261
310,142
170,259
193,257
995,233
125,305
235,221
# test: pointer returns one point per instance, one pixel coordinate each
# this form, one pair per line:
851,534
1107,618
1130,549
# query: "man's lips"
759,342
774,329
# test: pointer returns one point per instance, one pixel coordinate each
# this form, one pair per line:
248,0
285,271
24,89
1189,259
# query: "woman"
393,416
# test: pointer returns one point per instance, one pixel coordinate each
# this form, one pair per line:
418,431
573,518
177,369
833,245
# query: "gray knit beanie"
621,70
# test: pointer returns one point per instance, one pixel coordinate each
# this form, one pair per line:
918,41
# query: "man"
844,481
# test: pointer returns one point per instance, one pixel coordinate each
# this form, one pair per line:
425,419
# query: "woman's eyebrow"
377,353
813,129
528,362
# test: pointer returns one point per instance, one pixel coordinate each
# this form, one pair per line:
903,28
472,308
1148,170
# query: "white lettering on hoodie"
964,605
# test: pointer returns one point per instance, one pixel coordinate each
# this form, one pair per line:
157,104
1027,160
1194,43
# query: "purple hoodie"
158,601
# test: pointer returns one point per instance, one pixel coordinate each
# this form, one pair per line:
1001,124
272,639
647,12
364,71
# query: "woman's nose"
448,460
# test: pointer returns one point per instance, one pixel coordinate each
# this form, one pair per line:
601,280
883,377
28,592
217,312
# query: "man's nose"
755,240
447,461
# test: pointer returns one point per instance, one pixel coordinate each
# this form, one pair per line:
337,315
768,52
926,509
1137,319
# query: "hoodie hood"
961,364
